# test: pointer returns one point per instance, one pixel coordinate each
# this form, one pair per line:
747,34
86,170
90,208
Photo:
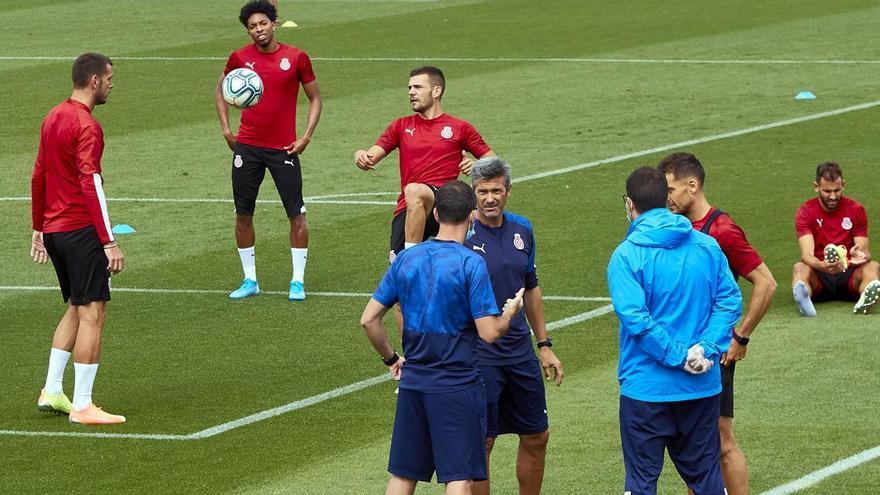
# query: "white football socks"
299,255
248,262
84,379
57,362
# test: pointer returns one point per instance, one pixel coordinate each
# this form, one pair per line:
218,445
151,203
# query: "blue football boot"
248,288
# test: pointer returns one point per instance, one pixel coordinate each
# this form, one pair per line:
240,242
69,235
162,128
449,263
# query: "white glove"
698,367
696,362
695,353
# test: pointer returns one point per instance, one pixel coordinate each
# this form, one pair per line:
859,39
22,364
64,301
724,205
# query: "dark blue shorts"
687,429
515,400
440,432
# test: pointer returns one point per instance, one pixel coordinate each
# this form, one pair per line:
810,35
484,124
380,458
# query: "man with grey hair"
512,374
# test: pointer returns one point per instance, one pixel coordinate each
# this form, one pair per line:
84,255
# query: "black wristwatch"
743,341
393,359
545,343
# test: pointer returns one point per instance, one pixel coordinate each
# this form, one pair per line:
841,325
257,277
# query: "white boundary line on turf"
568,60
549,173
276,411
828,471
706,139
319,200
142,290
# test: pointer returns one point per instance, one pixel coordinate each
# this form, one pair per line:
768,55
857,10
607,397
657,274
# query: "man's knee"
490,444
94,313
298,222
728,439
536,442
801,268
418,195
244,221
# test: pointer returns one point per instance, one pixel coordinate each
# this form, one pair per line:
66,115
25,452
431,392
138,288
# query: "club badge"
518,242
238,162
446,133
846,223
285,64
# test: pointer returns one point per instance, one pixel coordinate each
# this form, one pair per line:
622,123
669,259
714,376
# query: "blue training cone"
123,228
805,95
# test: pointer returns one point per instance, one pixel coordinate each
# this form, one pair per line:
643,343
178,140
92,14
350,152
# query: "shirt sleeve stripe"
99,189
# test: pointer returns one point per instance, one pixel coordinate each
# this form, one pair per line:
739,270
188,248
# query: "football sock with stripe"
84,379
299,255
248,262
54,378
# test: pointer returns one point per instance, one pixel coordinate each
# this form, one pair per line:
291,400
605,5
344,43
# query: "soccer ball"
242,88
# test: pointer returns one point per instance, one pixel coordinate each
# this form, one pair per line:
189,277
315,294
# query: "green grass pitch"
526,75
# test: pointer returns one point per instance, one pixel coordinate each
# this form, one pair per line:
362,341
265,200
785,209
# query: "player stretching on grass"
72,228
267,139
514,388
433,151
446,296
833,236
685,176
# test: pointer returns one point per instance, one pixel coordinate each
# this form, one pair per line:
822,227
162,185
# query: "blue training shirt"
509,251
442,288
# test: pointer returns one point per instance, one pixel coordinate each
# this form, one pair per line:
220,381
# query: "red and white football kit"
430,150
271,123
66,186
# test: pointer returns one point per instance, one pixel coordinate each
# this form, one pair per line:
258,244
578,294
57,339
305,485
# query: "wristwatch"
545,343
393,359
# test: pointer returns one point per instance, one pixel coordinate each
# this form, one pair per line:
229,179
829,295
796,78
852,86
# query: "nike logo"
481,248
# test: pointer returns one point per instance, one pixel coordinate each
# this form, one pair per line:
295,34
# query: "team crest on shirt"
846,223
238,162
446,133
518,242
285,64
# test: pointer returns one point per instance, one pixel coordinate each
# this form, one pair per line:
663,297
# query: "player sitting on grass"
833,236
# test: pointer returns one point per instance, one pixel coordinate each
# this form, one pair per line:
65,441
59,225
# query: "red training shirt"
840,226
740,254
271,123
430,150
66,186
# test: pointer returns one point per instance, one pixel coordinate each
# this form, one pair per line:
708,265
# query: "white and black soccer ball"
242,88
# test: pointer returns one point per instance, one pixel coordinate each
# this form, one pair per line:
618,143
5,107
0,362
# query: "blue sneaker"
802,298
297,292
248,288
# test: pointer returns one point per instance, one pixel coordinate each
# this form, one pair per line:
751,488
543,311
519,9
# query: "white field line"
321,200
143,290
566,60
549,173
276,411
826,472
706,139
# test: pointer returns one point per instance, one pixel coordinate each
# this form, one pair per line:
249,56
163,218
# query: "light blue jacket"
671,288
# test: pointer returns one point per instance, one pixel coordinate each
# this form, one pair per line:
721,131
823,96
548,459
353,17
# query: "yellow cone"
289,24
